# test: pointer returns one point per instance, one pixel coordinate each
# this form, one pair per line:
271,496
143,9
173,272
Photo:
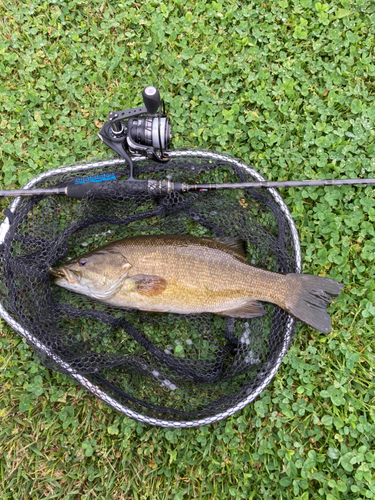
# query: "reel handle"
151,99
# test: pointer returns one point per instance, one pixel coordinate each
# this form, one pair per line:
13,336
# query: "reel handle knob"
151,98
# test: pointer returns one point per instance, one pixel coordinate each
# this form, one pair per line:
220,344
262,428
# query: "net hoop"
82,380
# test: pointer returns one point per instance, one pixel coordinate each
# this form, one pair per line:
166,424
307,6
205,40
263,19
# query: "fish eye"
82,262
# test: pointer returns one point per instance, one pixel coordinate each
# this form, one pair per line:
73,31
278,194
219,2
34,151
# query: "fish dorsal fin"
236,245
147,284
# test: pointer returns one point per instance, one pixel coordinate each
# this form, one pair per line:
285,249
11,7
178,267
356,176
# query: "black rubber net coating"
168,367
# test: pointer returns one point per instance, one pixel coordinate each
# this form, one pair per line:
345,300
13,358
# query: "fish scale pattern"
175,369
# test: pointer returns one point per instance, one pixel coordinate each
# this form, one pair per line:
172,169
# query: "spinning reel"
144,131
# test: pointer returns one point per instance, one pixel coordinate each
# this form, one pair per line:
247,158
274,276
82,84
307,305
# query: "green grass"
287,86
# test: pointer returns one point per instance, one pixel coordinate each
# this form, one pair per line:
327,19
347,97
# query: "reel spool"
162,369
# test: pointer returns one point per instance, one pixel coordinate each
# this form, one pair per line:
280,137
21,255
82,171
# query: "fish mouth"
69,275
57,273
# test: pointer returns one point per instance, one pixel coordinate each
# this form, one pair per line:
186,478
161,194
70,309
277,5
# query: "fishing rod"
158,188
146,131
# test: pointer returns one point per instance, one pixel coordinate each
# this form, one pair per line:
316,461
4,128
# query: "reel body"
142,131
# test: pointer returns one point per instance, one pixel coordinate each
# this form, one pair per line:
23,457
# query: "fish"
191,275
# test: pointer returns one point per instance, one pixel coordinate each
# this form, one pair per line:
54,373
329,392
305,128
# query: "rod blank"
32,192
280,184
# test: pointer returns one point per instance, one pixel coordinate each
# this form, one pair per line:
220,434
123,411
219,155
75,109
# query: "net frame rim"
92,388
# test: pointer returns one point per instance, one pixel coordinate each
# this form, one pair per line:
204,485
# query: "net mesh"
170,367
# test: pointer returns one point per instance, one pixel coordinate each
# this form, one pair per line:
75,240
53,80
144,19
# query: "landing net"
163,369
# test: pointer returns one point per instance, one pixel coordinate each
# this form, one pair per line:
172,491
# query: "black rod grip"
108,190
79,190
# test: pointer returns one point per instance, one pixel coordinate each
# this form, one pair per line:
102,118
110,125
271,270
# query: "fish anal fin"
248,309
147,284
236,245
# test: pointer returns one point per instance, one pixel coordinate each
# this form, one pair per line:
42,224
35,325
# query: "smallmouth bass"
190,275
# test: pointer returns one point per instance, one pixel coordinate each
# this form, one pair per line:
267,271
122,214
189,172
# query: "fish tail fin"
311,296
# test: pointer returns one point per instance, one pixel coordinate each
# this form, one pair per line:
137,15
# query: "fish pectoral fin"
147,284
248,309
